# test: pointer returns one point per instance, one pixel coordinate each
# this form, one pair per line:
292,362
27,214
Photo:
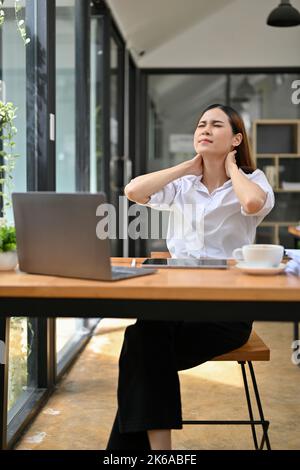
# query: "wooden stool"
254,350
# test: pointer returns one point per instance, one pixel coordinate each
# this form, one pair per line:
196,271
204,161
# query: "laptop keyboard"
120,272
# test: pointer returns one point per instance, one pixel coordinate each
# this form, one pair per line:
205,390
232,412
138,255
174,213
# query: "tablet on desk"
185,263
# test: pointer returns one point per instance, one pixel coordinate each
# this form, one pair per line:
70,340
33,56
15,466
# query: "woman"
234,199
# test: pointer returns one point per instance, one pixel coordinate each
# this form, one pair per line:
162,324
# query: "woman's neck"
214,174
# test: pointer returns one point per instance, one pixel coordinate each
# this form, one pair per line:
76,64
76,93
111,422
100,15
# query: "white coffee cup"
260,255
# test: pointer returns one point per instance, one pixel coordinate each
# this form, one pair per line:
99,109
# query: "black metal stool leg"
265,424
252,422
246,388
296,330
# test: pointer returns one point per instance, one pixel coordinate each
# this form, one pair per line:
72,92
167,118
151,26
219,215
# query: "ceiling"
147,24
205,33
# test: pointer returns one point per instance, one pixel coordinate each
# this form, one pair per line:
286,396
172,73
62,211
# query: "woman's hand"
195,166
230,163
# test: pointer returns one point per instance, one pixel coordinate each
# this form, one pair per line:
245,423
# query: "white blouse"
203,224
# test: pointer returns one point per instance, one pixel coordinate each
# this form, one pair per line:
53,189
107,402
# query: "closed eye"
216,125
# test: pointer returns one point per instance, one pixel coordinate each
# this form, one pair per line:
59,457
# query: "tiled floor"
79,414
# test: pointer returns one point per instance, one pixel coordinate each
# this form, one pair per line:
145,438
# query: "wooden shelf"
277,155
263,140
279,224
275,121
286,190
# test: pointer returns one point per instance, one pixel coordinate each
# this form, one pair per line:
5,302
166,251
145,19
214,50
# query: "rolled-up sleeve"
260,179
163,199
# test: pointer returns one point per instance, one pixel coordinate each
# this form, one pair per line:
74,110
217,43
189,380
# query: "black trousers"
148,387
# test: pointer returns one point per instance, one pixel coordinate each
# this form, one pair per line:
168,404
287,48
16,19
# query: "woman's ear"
237,139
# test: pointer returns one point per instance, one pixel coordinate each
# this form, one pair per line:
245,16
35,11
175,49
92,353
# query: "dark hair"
243,154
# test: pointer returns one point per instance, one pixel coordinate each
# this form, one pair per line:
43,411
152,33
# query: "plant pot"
8,260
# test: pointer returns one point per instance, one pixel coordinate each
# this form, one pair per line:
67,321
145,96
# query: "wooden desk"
201,295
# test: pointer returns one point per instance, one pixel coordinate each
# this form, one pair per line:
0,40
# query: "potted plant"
8,254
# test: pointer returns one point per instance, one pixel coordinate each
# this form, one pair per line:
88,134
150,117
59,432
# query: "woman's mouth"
205,141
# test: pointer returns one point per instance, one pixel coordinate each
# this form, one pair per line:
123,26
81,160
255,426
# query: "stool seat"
254,350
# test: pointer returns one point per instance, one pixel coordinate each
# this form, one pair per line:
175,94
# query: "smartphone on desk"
185,263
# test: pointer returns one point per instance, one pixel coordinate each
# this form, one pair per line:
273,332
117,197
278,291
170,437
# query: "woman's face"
213,135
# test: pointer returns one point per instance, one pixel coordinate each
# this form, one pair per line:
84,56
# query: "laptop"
56,235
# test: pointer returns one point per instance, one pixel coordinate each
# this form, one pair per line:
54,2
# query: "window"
13,88
65,96
22,364
70,333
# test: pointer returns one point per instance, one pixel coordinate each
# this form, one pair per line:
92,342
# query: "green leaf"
7,238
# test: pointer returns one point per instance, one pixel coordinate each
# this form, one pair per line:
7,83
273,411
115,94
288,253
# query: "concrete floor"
79,414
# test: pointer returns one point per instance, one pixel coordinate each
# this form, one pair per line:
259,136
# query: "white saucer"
245,268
